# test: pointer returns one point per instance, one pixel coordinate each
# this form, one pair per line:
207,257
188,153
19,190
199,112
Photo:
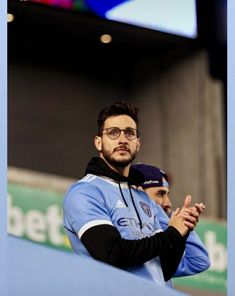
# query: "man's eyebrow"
162,191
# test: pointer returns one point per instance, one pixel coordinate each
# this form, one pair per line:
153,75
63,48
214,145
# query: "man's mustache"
122,147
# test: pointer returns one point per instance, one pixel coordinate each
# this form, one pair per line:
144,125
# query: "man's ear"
98,143
138,144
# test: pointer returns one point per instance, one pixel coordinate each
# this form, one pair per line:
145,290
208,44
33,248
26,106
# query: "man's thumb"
187,201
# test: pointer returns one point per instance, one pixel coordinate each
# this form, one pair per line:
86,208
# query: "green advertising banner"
214,236
36,214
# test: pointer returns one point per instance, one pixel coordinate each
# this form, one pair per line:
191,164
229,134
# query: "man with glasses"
109,219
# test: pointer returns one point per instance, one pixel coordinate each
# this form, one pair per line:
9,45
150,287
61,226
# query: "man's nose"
122,137
167,202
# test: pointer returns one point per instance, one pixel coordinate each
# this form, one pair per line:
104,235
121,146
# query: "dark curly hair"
117,108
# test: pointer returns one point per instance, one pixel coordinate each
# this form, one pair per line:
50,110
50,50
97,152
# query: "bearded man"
109,219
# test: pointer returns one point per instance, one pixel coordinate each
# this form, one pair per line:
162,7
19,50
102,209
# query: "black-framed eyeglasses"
115,132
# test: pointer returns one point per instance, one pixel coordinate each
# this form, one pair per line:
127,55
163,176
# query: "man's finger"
191,226
176,212
187,201
200,207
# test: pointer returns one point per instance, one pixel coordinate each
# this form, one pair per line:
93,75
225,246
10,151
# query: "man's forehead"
121,121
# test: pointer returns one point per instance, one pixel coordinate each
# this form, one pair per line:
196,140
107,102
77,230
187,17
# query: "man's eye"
159,194
113,132
130,132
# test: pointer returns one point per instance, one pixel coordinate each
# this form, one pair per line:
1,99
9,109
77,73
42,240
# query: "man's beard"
118,163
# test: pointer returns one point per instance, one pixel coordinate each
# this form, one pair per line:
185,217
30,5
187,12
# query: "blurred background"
68,59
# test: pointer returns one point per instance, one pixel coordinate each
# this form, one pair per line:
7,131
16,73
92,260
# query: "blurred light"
10,17
105,38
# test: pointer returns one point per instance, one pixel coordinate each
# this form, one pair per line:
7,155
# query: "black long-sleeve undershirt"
104,243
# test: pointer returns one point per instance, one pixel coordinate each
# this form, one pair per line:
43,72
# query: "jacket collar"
97,166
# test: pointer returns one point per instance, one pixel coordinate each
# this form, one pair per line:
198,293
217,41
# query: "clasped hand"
186,218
